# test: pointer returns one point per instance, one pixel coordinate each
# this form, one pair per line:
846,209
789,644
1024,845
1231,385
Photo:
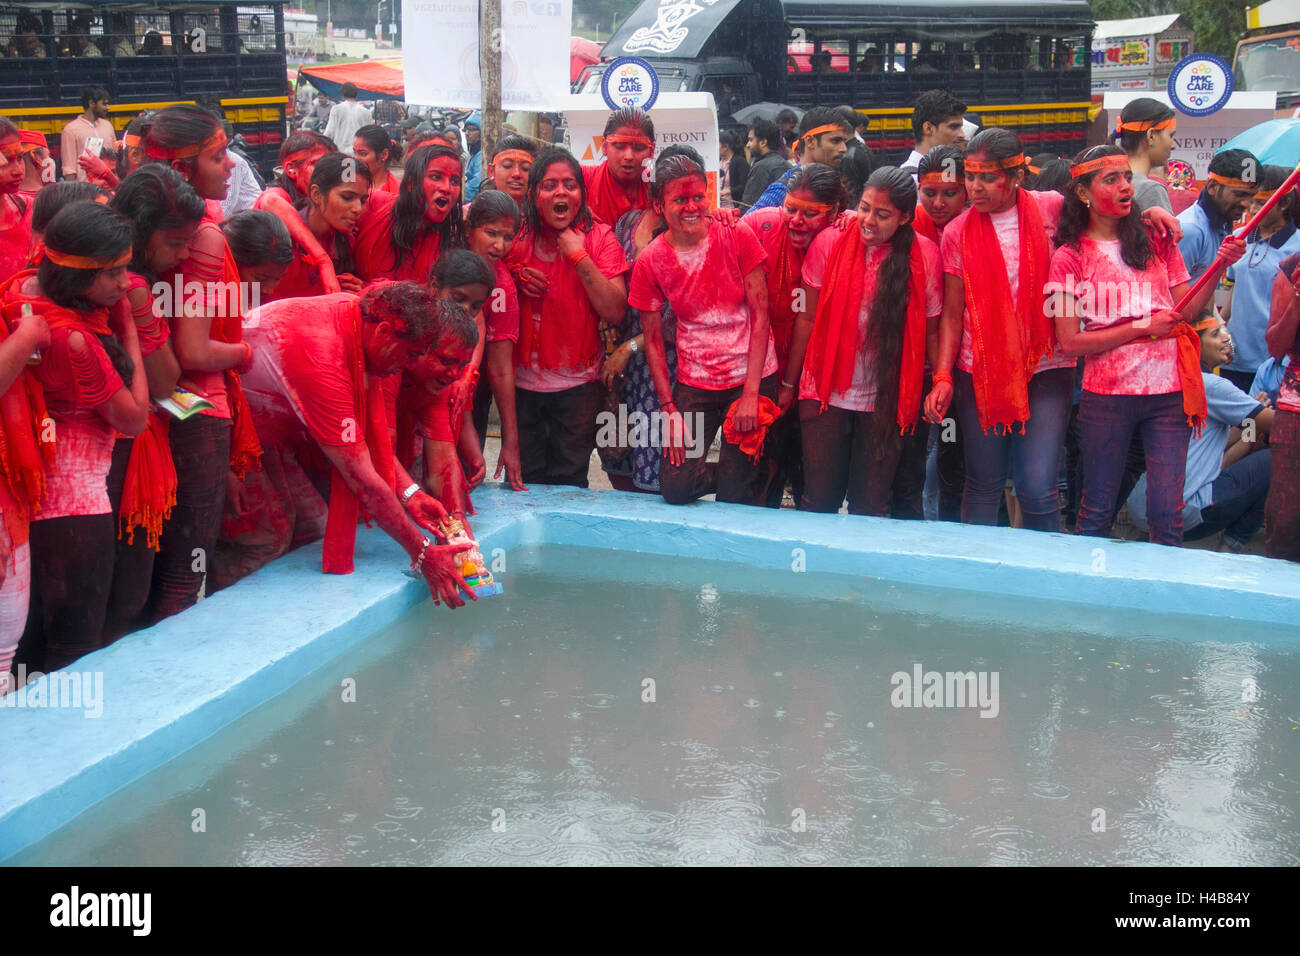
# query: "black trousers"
557,433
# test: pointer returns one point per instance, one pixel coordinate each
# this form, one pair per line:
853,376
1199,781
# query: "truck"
1024,64
147,57
1268,55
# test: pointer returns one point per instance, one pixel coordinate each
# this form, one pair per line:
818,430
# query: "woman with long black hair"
164,212
322,226
872,291
213,449
402,237
570,271
94,387
299,153
1114,285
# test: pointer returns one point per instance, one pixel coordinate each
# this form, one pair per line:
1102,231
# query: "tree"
1218,23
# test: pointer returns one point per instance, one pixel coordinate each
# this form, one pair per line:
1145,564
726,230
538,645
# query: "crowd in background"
200,370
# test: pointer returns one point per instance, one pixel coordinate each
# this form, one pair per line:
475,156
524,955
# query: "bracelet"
938,377
632,346
577,257
410,491
418,562
249,357
785,384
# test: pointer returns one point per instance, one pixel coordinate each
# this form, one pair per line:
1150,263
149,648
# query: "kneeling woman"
94,385
873,290
1143,368
570,272
712,277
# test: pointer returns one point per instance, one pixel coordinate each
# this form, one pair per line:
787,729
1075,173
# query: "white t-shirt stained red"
706,288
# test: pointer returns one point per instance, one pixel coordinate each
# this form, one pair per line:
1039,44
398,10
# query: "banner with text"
1199,136
690,119
440,53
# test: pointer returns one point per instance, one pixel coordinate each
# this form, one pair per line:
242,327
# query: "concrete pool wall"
169,687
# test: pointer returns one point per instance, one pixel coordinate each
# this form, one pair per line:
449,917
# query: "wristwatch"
410,491
632,346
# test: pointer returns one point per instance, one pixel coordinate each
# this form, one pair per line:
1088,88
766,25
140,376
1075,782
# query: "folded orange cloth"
751,443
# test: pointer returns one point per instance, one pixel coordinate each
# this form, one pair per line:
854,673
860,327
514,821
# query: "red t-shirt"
606,251
373,249
503,322
209,271
1120,293
150,325
706,288
301,376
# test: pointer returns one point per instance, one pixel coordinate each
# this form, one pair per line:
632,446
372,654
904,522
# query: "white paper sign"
440,53
1199,136
690,119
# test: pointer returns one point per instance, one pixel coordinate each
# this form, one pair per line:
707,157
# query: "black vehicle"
1024,64
147,56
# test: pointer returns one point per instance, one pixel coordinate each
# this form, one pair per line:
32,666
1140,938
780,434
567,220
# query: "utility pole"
489,64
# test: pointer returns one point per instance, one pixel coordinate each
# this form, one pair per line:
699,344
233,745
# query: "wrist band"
410,491
249,357
418,561
785,384
632,346
576,257
938,377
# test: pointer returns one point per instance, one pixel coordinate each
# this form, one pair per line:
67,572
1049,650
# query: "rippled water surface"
522,731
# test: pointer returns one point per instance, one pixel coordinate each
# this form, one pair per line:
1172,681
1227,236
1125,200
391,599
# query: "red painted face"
990,192
441,365
11,165
493,240
558,196
626,158
685,207
212,168
943,201
803,226
878,217
442,180
510,175
299,170
1112,192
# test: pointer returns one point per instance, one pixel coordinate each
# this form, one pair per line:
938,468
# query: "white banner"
1198,137
440,53
689,119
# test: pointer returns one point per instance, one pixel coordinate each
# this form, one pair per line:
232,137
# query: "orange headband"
995,165
1032,169
12,153
131,140
1115,160
1264,195
818,130
806,207
1231,181
939,179
1209,322
1141,126
645,141
86,262
518,155
320,149
215,141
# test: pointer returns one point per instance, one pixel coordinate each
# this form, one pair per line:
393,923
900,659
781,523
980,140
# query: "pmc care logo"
629,81
1200,84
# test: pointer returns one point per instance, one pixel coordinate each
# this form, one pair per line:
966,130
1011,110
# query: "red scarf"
566,338
245,449
783,277
307,248
344,508
833,349
23,456
1008,338
924,225
606,198
149,490
751,443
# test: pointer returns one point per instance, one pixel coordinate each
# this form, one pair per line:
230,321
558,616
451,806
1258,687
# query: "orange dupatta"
924,225
1008,338
834,346
782,279
607,200
23,456
344,508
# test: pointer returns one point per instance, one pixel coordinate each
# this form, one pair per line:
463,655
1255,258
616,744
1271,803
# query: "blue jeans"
1239,494
1106,426
1034,454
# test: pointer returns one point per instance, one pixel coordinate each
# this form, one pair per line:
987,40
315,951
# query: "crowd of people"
189,392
